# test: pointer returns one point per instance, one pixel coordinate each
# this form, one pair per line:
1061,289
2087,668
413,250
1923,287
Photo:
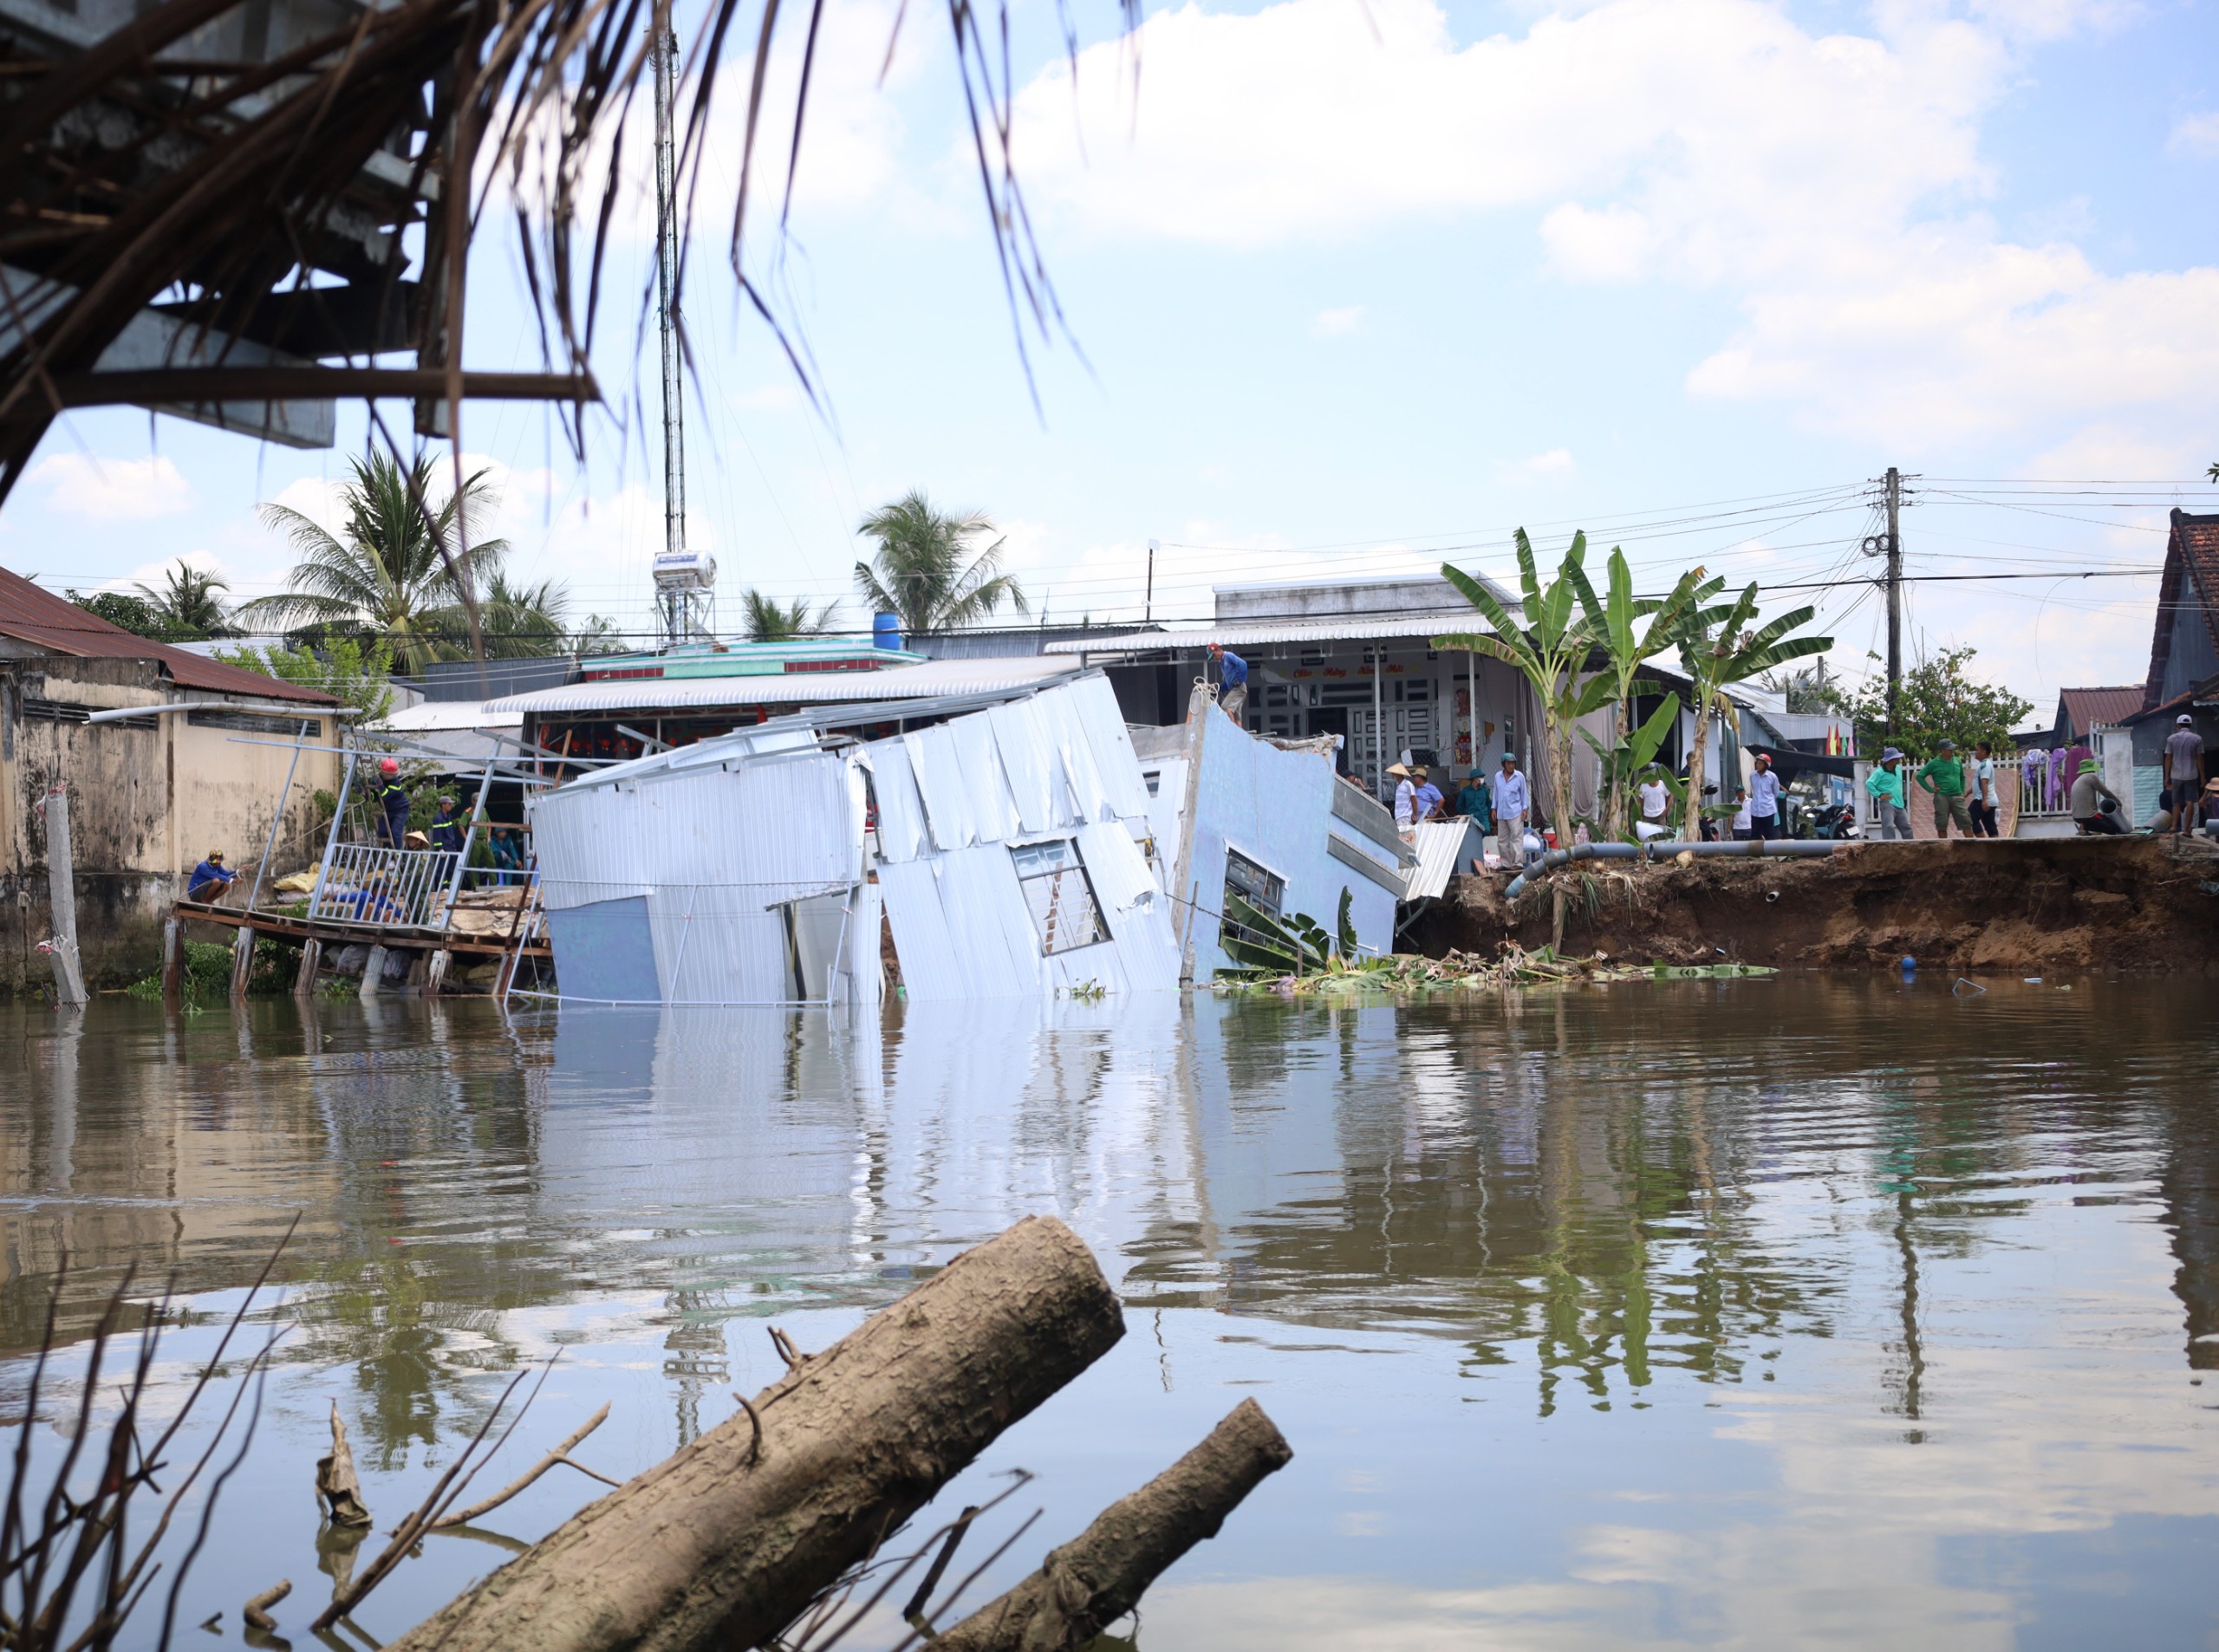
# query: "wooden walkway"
434,947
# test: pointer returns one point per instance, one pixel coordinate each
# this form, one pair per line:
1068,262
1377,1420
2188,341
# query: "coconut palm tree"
919,572
768,620
525,622
187,608
384,574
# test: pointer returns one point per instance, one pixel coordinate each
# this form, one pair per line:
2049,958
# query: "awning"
934,679
1788,761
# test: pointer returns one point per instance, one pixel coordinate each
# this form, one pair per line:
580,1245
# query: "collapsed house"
1001,845
1004,844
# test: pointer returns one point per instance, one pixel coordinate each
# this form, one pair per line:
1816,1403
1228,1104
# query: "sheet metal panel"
933,680
1094,706
939,781
902,835
1441,845
1089,798
1138,915
921,941
1027,764
985,788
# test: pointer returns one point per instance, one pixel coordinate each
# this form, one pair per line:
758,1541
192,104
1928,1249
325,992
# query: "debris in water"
1406,975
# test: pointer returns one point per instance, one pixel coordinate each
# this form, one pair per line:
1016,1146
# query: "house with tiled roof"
2081,711
205,765
2183,677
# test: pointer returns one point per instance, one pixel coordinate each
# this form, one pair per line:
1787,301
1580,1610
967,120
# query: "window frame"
1044,925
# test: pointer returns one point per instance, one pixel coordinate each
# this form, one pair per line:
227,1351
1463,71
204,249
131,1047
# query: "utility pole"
672,600
1895,486
1147,612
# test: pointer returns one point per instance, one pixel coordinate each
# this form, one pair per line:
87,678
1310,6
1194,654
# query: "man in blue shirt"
446,830
1232,683
1471,801
1428,800
210,879
1513,798
392,798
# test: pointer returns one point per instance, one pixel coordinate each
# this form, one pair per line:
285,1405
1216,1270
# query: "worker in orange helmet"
393,804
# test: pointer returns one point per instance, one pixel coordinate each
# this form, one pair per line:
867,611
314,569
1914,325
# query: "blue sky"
1362,282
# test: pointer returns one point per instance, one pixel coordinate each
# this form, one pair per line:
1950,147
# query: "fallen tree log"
725,1544
1092,1581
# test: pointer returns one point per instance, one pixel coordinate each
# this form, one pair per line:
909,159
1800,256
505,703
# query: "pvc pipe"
1754,847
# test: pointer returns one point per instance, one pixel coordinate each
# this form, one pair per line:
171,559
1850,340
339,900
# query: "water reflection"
1854,1215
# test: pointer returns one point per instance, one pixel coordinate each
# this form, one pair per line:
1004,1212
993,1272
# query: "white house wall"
1272,806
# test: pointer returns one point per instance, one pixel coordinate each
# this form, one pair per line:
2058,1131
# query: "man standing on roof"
393,804
2184,768
1232,683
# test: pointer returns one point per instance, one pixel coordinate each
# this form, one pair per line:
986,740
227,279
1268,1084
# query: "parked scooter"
1832,821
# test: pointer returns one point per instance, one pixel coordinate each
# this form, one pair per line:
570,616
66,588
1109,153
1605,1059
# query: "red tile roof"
59,626
2191,576
2087,708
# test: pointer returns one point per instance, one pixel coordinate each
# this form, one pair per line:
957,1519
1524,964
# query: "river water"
1803,1311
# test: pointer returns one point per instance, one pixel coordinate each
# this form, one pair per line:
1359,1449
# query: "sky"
1351,287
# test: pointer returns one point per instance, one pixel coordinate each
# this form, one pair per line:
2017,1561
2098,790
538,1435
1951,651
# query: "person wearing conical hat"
1406,797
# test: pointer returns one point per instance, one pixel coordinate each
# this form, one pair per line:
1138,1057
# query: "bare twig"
784,1344
560,1455
754,1421
405,1535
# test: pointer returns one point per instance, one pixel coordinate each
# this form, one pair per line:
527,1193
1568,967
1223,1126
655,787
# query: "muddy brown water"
1806,1311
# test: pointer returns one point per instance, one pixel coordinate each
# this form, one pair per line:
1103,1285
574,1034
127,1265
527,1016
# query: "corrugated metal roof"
59,626
933,681
435,714
1441,845
1256,633
2089,708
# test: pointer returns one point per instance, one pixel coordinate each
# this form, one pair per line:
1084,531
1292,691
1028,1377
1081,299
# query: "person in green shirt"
1885,784
1943,780
1473,801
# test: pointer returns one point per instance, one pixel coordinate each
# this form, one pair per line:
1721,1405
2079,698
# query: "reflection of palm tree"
920,573
388,570
187,606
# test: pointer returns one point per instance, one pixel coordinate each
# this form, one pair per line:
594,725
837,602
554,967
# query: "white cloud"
2198,135
1830,185
1338,323
1553,466
112,489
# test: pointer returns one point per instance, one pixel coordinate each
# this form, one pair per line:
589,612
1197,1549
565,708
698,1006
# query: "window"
1244,879
1059,895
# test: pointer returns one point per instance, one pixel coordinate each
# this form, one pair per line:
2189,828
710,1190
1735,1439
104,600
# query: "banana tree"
1548,649
1623,760
1616,620
1717,647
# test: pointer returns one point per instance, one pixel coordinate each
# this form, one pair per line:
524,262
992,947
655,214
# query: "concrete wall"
1273,807
146,803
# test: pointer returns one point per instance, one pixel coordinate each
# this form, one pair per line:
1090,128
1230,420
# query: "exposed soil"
2016,906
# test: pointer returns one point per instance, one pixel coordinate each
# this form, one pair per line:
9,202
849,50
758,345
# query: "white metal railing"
387,888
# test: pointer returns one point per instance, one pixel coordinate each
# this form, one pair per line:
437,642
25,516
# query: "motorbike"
1832,821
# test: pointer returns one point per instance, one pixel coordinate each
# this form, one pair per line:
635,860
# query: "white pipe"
258,707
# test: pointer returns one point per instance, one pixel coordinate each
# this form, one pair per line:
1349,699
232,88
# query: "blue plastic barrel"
885,631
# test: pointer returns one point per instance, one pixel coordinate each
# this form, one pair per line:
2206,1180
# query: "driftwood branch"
336,1487
728,1541
256,1611
1097,1578
560,1455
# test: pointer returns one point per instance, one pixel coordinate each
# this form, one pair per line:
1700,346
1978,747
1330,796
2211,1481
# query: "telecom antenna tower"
686,598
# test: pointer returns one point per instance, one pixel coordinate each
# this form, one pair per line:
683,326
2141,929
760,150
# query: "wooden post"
172,960
242,961
311,957
372,974
62,896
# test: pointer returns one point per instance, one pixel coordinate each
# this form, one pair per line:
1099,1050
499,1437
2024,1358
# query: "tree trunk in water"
1094,1580
722,1545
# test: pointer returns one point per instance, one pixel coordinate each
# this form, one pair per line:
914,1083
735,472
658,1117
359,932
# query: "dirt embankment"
2007,905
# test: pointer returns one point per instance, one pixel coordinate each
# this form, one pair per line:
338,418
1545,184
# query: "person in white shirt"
1986,803
1405,798
1743,833
1656,798
1514,799
1764,800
